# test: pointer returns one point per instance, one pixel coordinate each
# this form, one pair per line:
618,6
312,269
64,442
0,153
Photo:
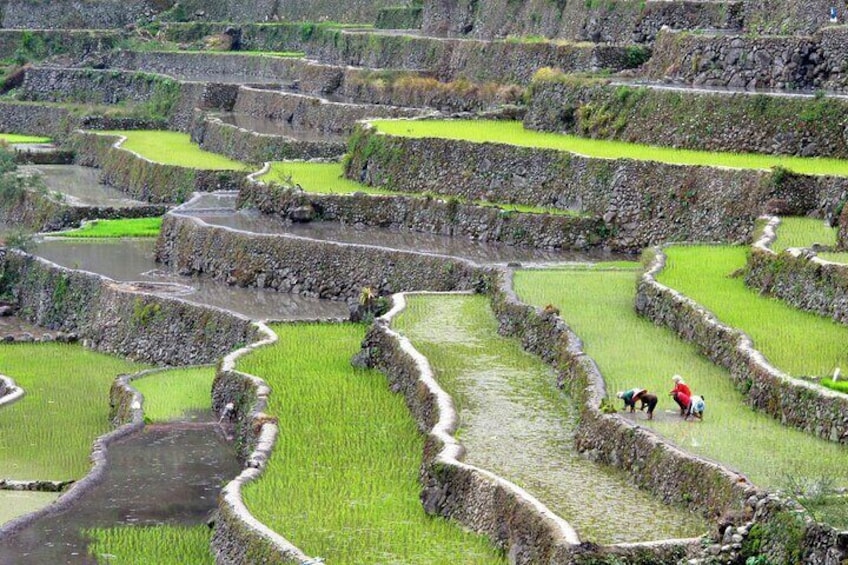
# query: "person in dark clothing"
630,397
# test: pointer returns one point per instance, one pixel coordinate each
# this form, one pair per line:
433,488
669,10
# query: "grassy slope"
48,433
326,178
126,227
803,232
631,351
513,133
346,461
174,148
507,397
22,138
172,394
799,343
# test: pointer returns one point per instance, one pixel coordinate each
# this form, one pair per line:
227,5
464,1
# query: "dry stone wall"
750,62
640,202
78,14
143,179
427,215
794,402
118,318
303,266
619,22
714,121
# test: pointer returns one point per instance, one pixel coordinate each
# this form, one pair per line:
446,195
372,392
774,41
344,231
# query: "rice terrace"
432,282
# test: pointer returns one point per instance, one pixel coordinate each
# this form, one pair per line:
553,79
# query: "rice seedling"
176,393
513,133
342,482
631,351
516,423
125,227
22,138
175,148
14,503
327,178
48,434
142,545
796,342
834,256
803,232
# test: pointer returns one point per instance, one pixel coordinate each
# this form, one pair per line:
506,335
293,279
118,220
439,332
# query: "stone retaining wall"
400,17
640,202
40,43
428,215
714,121
212,134
304,266
118,317
78,14
798,277
37,211
737,61
310,114
238,536
481,61
619,22
143,179
794,402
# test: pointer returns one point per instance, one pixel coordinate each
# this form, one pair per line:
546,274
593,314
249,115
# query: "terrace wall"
214,135
303,266
799,278
40,43
782,62
38,211
119,318
77,14
143,179
640,202
483,502
715,121
621,22
794,402
310,114
238,536
57,121
428,215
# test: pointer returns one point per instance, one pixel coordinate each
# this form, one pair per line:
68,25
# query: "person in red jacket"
681,393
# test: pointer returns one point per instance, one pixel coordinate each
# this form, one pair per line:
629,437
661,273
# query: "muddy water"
165,474
132,260
277,127
461,247
81,186
516,423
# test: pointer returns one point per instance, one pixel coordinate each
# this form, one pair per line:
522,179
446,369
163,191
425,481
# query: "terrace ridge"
9,391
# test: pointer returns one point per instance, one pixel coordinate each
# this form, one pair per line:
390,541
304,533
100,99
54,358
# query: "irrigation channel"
515,422
165,474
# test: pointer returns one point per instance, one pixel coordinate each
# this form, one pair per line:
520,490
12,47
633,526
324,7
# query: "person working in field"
630,397
696,408
681,393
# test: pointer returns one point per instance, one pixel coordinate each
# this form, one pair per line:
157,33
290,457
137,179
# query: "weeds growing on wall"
513,133
346,461
51,429
631,351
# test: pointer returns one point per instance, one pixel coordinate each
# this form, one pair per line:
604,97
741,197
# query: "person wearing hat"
681,393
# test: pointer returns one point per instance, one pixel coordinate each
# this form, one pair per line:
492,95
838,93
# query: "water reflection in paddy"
132,260
81,186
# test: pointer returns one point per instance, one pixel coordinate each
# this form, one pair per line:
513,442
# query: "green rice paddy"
802,232
506,398
327,178
176,393
513,133
631,351
48,434
21,138
796,342
174,148
347,458
125,227
15,503
143,545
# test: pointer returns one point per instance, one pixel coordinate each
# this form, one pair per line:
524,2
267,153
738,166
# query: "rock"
302,214
6,310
